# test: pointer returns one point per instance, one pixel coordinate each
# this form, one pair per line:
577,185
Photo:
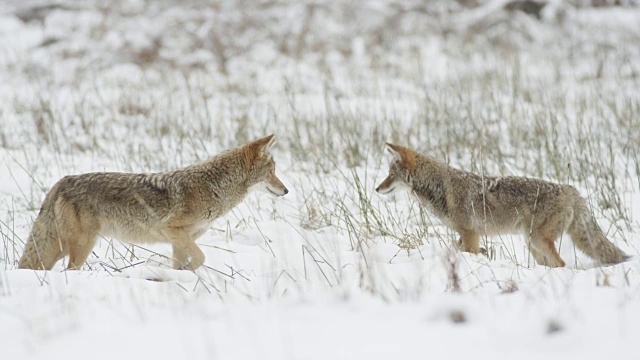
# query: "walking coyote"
474,205
173,207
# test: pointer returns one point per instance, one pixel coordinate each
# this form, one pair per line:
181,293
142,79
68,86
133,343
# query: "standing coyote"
475,205
173,207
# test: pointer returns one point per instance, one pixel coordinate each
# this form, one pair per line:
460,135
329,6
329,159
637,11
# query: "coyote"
474,205
173,207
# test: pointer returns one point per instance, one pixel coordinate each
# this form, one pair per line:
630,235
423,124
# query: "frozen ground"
330,271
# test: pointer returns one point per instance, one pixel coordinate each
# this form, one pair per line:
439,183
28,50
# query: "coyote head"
261,169
400,170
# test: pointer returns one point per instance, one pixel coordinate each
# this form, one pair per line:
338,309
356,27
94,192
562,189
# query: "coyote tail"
42,250
590,239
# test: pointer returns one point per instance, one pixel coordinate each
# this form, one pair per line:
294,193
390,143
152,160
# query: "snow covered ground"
330,271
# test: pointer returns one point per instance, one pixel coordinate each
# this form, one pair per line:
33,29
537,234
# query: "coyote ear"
406,156
258,149
266,143
272,141
263,145
393,150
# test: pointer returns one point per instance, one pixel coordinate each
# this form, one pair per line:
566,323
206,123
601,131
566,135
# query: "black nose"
286,191
378,189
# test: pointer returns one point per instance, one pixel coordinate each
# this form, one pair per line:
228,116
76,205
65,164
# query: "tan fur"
474,206
174,207
408,156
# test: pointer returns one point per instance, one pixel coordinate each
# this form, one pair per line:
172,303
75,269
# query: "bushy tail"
589,238
42,249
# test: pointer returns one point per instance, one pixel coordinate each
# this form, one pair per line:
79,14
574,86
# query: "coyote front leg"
185,248
469,241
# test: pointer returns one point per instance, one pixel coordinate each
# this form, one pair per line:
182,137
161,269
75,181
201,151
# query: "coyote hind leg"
79,252
545,252
81,237
48,259
537,255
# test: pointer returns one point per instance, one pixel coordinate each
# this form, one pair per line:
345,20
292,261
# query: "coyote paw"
188,267
191,266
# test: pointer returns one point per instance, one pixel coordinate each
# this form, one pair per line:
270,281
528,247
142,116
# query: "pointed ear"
393,150
407,157
265,144
272,141
258,149
262,146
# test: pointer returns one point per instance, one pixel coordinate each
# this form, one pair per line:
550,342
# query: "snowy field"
331,270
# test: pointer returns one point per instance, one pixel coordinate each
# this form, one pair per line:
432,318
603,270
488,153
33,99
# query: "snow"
331,270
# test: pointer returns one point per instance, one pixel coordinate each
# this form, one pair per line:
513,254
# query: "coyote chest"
432,195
